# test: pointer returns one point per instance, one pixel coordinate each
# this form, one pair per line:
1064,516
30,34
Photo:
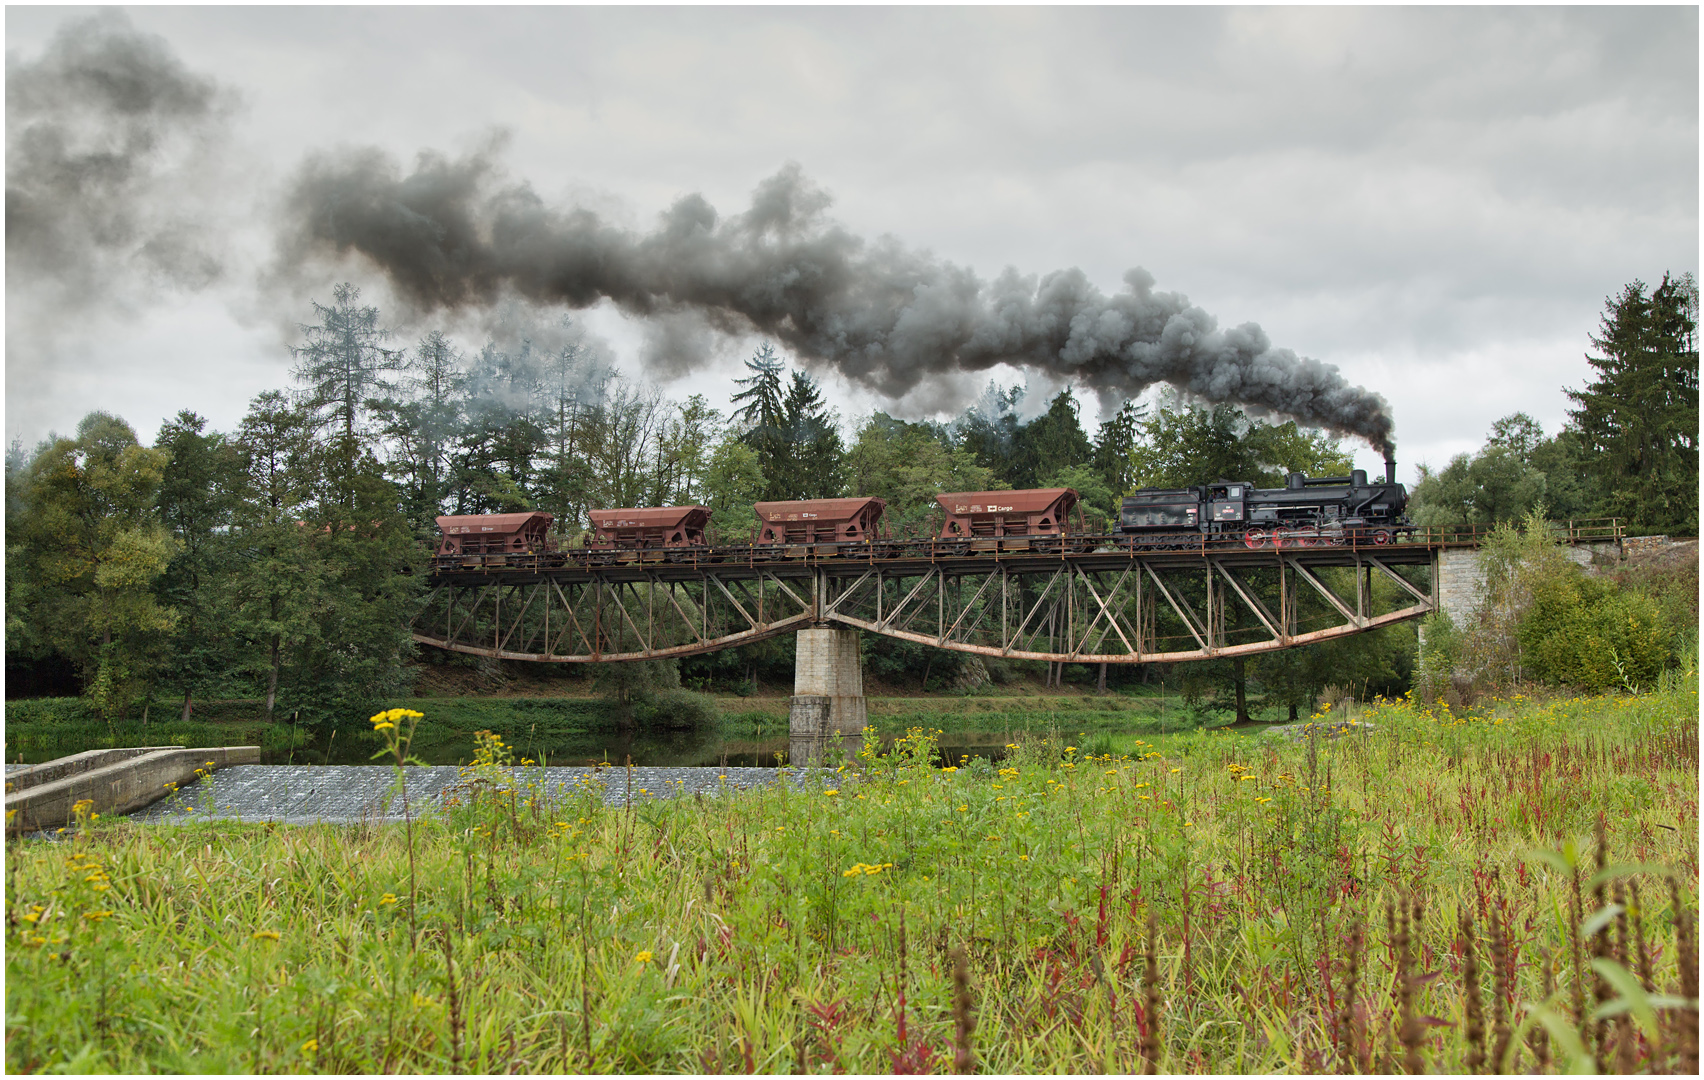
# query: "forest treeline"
1629,448
283,560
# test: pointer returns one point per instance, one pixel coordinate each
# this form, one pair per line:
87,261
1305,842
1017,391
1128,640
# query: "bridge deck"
583,567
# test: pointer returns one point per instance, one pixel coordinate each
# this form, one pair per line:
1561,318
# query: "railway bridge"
1108,602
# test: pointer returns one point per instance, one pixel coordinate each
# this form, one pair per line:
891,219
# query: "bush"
1580,631
676,708
1440,656
1545,619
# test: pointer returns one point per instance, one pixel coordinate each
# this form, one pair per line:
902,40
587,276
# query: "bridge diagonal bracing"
1106,606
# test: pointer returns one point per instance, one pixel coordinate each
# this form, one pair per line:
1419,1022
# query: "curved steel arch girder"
729,641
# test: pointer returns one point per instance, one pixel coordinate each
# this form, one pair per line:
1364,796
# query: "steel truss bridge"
1116,606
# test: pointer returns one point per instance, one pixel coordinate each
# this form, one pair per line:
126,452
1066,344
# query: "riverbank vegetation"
1504,888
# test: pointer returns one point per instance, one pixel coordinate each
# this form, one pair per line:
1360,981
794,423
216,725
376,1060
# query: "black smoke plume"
452,234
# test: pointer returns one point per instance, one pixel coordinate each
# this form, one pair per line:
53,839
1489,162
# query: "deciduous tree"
90,547
197,503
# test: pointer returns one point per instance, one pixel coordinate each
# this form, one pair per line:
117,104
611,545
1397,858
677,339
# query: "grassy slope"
787,929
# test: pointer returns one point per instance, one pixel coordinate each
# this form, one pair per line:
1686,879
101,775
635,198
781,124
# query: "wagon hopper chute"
645,528
819,521
1007,520
478,537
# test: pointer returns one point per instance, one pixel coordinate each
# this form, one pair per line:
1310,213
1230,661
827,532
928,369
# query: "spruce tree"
1639,418
344,368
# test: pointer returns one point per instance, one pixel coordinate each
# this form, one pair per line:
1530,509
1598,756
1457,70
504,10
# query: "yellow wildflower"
269,935
642,957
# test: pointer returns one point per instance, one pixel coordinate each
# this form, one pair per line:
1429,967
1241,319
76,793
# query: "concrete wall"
828,665
87,761
119,787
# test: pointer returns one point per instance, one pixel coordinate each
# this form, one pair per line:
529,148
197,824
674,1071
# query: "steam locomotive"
1305,512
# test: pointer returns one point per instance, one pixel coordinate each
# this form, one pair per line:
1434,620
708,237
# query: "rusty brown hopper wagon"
820,521
976,515
657,527
487,534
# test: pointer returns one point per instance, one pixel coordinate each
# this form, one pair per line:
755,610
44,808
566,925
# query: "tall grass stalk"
1106,913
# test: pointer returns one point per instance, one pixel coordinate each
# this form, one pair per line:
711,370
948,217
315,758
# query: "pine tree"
562,476
1639,418
1113,443
793,431
1051,442
758,406
275,588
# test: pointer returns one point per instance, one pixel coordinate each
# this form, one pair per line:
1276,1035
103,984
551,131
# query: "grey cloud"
99,131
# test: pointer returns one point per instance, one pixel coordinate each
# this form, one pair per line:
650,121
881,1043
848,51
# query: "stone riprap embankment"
351,794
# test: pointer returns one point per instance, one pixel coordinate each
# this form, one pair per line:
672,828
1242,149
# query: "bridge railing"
924,549
1571,531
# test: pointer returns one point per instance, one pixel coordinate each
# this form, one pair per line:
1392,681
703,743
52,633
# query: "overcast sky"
1436,201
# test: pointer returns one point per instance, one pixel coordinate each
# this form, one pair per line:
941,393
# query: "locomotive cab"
1225,505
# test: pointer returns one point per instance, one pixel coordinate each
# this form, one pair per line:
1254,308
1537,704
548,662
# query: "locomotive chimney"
1390,470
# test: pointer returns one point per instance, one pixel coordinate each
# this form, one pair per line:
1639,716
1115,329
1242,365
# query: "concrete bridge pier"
827,712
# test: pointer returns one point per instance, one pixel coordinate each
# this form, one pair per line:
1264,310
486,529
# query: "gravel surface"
344,794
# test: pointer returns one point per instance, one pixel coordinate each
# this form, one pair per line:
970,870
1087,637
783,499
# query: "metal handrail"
1572,531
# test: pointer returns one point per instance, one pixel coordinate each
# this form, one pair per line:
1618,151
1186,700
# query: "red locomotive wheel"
1254,538
1381,537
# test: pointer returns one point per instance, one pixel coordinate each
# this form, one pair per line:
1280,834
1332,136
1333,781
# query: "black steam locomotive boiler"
1305,512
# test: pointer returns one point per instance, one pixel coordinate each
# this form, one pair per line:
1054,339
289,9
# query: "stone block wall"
828,665
1460,582
828,714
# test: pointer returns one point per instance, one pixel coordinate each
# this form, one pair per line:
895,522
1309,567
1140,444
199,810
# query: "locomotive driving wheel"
1254,538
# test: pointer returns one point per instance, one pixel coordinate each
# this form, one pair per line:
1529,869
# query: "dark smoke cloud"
101,133
453,234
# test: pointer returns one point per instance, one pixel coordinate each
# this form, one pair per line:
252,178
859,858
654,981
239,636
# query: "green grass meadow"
1510,890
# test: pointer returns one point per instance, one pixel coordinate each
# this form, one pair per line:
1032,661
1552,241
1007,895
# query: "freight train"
1305,512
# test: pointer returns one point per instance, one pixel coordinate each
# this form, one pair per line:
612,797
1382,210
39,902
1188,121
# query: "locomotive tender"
1305,512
